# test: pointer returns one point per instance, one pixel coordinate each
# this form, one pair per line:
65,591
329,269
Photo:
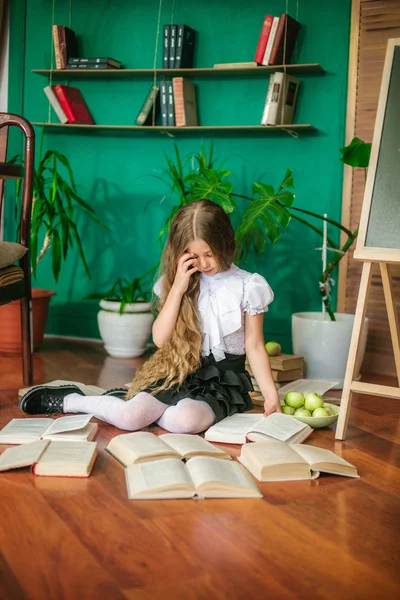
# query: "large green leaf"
356,154
56,253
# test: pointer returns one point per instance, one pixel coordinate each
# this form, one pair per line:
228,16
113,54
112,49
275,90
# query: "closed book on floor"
52,459
242,428
70,429
73,104
185,102
277,461
142,446
48,90
200,477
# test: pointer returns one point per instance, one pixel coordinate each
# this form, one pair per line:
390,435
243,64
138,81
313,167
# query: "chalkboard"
383,229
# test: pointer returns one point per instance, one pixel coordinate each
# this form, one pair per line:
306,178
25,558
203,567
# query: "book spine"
59,92
189,38
55,104
56,41
90,66
180,118
172,47
270,43
262,42
94,60
276,98
171,105
63,46
278,39
164,102
166,37
264,119
179,47
147,106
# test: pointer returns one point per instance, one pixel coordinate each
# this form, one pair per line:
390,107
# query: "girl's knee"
194,417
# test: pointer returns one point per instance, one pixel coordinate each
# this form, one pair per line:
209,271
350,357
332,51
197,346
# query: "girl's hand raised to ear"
184,271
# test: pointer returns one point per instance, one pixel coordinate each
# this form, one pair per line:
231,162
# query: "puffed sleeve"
257,295
158,286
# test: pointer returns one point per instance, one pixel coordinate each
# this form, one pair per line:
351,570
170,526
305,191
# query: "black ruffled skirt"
224,385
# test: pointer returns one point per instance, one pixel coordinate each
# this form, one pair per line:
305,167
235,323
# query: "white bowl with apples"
310,409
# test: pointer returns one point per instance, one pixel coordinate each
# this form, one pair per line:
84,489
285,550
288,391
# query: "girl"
210,317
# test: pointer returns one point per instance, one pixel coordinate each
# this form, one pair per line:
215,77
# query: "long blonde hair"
180,355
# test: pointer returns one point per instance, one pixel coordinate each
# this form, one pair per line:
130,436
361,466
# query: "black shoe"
47,399
117,392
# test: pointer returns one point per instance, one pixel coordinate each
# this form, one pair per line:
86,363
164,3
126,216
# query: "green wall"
114,171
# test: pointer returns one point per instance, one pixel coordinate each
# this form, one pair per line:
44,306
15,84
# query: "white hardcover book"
264,119
48,90
270,42
277,91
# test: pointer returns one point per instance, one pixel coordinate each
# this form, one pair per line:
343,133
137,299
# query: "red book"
263,40
73,104
285,39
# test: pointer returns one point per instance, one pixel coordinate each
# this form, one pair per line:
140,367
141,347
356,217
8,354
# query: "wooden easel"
375,244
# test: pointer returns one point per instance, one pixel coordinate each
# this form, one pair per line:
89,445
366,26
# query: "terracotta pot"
10,322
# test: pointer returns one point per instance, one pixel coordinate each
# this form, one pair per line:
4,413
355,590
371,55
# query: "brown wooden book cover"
185,102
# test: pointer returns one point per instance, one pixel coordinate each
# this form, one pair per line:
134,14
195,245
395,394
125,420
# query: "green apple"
328,410
287,410
313,401
302,412
320,412
273,348
294,399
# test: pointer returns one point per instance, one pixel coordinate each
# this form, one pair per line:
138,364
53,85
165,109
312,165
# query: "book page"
76,435
22,456
305,386
274,461
68,424
167,477
316,456
213,477
278,426
190,445
232,430
139,445
64,458
18,431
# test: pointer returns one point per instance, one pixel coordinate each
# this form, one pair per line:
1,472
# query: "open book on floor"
241,428
51,459
66,429
141,446
277,461
200,477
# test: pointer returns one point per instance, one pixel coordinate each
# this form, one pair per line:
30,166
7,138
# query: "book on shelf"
95,59
171,105
142,446
243,427
270,41
185,102
48,90
149,108
282,362
280,376
284,40
184,53
166,43
73,104
237,65
64,41
164,102
281,103
52,459
67,429
200,477
89,65
172,46
263,39
278,461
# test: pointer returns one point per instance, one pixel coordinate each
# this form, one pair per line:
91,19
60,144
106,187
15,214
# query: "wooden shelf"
160,129
11,171
204,72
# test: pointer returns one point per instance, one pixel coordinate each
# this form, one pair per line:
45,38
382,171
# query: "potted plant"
126,317
267,216
55,208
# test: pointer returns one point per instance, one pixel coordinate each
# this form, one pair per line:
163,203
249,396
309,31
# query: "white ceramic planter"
126,335
325,344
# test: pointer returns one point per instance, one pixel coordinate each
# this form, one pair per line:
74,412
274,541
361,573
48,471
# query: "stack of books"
175,100
68,104
178,46
284,368
281,99
277,40
96,62
65,46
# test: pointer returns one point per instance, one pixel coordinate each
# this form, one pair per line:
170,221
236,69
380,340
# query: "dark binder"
164,102
172,46
185,47
171,105
166,42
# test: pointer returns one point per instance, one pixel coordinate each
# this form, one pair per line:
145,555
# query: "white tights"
187,416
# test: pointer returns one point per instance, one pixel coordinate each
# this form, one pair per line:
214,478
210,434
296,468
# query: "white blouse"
223,300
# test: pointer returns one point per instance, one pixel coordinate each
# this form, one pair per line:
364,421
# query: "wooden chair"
20,290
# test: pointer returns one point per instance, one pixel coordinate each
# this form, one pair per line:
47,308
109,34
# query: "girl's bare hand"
271,407
184,271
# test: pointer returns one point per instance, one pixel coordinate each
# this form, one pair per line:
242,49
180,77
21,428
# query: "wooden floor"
333,538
